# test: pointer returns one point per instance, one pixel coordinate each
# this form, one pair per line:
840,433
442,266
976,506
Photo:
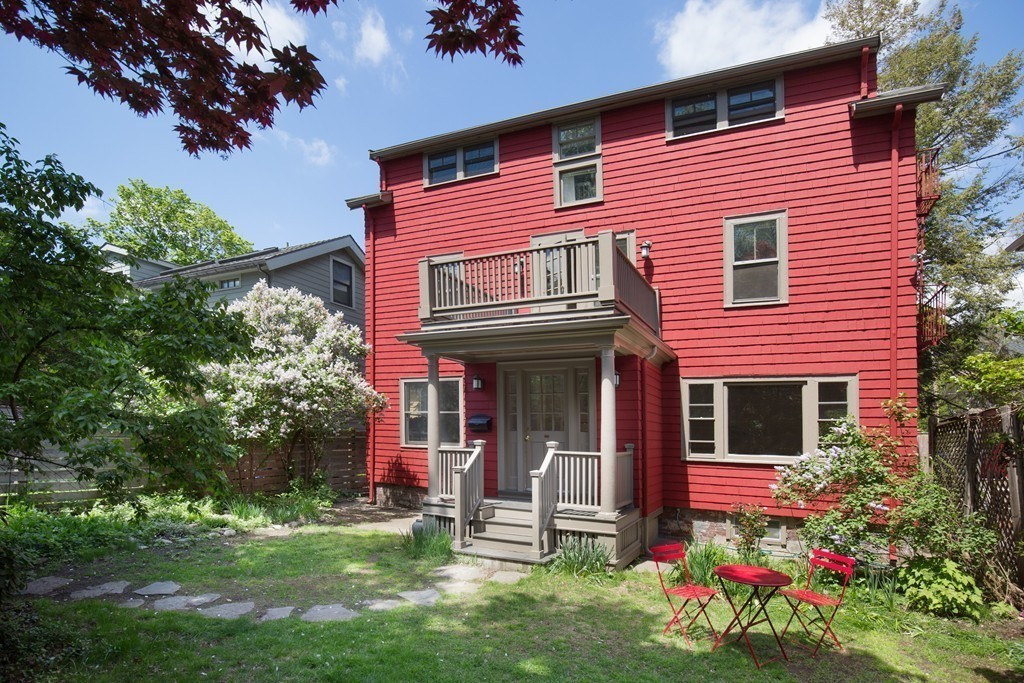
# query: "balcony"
931,317
572,279
929,187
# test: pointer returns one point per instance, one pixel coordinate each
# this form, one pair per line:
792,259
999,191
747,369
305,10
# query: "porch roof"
541,336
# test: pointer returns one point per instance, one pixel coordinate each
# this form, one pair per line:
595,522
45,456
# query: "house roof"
111,248
887,101
1016,245
819,55
370,200
271,258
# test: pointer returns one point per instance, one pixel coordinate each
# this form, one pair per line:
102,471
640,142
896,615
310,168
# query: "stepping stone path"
109,588
177,603
45,585
329,613
275,613
424,598
159,588
229,610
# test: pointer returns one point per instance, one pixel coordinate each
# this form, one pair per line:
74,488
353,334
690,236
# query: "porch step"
500,558
494,526
503,543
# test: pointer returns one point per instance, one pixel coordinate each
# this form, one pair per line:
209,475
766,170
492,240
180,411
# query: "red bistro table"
765,582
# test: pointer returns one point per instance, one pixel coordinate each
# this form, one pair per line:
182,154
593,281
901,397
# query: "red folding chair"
799,597
671,553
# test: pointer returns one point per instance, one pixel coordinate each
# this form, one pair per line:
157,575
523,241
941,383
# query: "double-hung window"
723,108
577,162
756,259
761,419
415,406
229,283
341,283
460,163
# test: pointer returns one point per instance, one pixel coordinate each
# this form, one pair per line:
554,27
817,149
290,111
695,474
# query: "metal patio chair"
803,599
669,554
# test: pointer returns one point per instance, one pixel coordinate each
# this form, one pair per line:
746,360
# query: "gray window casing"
403,409
722,108
781,216
459,163
809,412
578,162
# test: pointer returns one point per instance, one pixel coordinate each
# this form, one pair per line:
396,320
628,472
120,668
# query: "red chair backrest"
670,552
835,562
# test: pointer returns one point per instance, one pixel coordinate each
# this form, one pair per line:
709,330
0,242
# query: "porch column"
433,426
608,431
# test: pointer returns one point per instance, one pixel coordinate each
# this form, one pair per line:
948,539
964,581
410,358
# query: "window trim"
402,411
731,533
722,108
230,278
810,401
351,284
729,223
577,162
460,161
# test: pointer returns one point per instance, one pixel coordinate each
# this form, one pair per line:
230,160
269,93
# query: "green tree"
161,223
980,161
84,354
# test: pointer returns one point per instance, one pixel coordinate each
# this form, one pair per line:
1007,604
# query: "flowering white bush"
302,381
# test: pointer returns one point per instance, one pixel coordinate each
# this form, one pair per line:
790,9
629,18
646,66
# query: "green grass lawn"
544,628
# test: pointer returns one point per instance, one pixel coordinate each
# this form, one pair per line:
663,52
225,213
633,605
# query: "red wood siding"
832,175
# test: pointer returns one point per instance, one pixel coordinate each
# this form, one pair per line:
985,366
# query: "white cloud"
316,152
341,83
373,45
708,34
281,26
92,208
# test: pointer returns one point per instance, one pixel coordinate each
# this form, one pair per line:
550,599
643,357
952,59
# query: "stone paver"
45,585
329,613
506,577
461,572
458,587
132,603
183,602
424,598
108,588
275,613
647,566
384,605
229,610
159,588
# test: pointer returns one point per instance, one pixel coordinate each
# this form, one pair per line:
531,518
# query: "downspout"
865,56
263,269
371,366
894,181
641,434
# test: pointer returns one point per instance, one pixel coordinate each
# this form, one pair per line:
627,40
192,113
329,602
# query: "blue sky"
384,88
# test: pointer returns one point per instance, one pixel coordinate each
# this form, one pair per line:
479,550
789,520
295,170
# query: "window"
414,412
577,162
756,259
341,283
774,533
460,163
762,420
229,283
725,108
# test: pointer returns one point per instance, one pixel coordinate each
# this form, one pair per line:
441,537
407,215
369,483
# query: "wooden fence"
978,456
344,462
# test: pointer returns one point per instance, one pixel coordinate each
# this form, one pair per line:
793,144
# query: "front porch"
549,323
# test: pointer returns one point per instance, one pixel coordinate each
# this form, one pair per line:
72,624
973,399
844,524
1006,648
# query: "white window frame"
722,108
351,285
577,162
460,173
781,218
810,402
402,411
731,532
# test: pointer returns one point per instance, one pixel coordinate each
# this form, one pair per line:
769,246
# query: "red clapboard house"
621,314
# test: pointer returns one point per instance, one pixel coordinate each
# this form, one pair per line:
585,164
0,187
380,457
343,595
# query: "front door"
541,404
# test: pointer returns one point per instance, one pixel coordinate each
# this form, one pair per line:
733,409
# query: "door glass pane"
583,394
765,419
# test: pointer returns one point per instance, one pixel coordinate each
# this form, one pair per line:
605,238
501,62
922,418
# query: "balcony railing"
931,317
588,273
929,188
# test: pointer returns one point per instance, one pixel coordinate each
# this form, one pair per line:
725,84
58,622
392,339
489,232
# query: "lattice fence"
977,457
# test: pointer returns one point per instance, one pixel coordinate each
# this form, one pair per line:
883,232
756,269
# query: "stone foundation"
703,526
397,496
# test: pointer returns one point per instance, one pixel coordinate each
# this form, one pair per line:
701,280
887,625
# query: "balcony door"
560,272
542,404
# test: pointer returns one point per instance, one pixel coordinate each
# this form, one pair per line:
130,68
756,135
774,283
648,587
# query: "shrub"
751,523
430,542
581,557
939,586
701,558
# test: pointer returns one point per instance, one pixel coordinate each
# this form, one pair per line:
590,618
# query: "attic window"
341,283
229,283
460,163
724,108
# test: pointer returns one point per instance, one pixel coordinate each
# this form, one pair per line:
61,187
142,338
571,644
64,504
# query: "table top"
752,576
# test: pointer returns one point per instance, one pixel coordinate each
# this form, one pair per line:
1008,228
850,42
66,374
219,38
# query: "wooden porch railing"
468,483
931,317
545,498
579,478
448,460
929,183
587,273
624,477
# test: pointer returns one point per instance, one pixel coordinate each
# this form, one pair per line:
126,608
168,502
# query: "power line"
983,158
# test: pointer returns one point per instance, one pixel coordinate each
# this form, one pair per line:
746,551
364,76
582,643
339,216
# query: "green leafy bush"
430,542
581,557
701,558
751,522
939,586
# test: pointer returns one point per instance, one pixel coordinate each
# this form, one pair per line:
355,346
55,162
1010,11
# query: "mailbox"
479,423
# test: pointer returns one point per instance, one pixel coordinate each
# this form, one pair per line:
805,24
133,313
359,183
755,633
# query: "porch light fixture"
616,380
478,382
645,249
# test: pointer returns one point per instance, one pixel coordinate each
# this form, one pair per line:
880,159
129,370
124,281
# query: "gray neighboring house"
333,270
138,269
